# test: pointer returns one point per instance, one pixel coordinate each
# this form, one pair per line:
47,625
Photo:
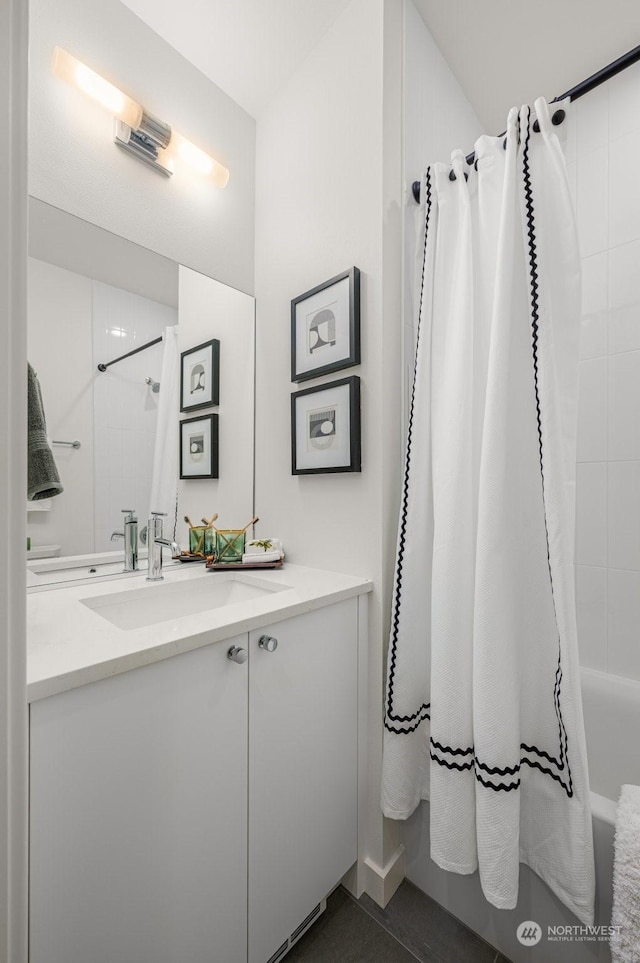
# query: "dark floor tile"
501,959
427,930
345,933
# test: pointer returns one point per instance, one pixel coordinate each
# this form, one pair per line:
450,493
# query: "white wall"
74,164
438,118
327,198
208,309
125,409
60,351
602,157
319,183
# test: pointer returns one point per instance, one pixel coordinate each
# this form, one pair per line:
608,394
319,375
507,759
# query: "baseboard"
353,880
381,882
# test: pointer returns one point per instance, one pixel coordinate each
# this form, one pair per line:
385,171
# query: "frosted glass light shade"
198,160
73,71
66,67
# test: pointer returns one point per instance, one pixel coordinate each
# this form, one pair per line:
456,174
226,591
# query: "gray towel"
43,480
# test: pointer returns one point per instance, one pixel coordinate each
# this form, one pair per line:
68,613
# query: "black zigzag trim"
419,716
453,752
501,787
460,766
476,764
535,327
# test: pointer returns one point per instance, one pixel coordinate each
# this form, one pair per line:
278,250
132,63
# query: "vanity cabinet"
302,770
138,817
196,809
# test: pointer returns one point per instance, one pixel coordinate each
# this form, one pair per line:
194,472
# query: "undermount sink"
162,603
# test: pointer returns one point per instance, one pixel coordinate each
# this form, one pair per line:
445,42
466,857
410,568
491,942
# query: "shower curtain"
164,480
483,712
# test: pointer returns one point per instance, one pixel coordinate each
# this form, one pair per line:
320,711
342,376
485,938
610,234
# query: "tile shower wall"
125,408
604,142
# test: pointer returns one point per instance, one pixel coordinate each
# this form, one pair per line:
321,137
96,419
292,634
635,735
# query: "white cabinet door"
302,769
139,815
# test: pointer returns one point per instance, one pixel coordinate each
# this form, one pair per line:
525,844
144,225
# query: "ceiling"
249,48
508,52
504,52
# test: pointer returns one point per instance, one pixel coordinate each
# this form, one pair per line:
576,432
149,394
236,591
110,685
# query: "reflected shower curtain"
164,480
483,713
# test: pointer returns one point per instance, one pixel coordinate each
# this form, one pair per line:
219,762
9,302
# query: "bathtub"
612,723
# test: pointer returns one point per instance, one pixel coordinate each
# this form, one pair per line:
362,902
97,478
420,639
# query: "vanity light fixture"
137,130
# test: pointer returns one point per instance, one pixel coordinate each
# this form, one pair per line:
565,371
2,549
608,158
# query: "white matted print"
325,427
325,327
199,447
200,376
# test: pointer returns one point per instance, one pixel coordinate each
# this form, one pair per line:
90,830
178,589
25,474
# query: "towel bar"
68,444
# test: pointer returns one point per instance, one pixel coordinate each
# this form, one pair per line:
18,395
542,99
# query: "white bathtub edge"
603,808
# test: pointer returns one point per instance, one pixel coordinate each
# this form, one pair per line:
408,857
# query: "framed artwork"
325,428
199,447
325,327
200,376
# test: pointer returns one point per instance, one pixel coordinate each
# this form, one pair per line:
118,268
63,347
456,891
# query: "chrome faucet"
130,536
155,544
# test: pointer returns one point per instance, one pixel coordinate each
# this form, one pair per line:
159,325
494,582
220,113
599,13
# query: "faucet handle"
130,514
155,524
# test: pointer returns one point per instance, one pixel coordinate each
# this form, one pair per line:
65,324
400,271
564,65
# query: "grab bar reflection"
67,444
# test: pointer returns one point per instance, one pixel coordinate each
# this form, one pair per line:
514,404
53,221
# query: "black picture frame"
212,465
352,355
214,346
354,463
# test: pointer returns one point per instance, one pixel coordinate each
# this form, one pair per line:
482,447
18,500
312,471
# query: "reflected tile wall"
604,144
125,408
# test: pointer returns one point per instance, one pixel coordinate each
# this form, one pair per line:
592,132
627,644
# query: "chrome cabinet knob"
268,643
237,654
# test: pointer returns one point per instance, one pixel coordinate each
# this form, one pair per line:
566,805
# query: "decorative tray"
237,566
189,558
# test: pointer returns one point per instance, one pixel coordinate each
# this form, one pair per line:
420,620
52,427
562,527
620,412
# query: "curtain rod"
616,67
143,347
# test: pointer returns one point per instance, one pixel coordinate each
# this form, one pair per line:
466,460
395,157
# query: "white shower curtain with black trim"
483,713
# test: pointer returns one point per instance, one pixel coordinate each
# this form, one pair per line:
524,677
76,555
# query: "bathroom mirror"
119,253
93,297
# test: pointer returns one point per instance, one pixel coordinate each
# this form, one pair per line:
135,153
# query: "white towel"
625,946
254,548
43,505
250,558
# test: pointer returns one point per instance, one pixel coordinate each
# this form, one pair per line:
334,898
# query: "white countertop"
70,645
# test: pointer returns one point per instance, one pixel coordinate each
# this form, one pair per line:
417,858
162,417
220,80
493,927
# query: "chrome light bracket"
148,143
